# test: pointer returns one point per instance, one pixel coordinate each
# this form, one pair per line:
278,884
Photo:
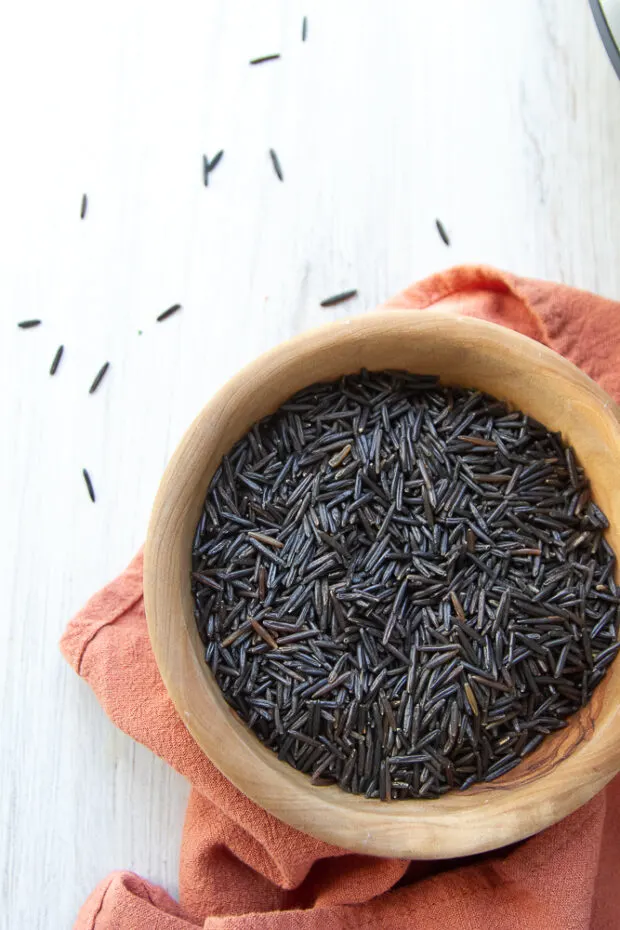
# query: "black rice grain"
275,161
442,232
164,316
56,360
83,206
402,588
216,160
338,298
89,485
98,378
304,29
260,61
29,324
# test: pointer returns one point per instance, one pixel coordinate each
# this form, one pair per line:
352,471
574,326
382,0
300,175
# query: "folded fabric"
241,868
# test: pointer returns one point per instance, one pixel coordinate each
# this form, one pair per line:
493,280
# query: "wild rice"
338,298
401,587
275,161
164,316
442,232
89,485
56,360
216,160
98,378
260,61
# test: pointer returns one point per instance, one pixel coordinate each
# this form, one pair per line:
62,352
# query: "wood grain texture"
498,118
568,768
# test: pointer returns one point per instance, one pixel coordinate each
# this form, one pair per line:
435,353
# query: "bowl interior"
568,767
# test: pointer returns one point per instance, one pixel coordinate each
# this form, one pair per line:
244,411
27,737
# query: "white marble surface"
501,118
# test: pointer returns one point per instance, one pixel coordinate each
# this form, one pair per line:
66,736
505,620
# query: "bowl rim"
457,824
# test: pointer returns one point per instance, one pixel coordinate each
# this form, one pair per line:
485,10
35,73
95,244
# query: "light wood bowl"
569,767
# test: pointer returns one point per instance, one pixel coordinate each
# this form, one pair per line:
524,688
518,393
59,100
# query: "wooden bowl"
569,767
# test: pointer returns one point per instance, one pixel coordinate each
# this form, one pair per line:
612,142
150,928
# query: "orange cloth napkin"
241,869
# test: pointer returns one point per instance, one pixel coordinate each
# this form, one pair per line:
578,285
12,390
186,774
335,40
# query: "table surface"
502,119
